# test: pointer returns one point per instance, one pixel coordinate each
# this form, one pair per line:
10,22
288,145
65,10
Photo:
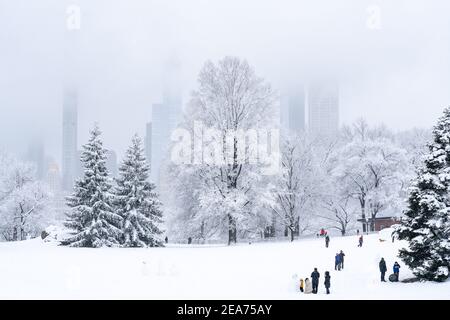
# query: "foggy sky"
398,74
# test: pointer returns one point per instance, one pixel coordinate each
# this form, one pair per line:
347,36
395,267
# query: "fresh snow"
35,269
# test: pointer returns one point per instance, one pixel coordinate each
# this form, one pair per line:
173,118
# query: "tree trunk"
292,234
363,215
231,229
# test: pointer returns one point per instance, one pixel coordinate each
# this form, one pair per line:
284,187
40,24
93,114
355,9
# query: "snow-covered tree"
230,98
24,201
296,187
136,202
91,217
426,225
371,167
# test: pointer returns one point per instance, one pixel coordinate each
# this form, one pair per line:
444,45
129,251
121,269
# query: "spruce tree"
91,217
426,225
136,201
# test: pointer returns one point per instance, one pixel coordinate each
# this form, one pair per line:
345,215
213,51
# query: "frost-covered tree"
136,202
24,201
296,187
230,97
371,167
426,225
91,217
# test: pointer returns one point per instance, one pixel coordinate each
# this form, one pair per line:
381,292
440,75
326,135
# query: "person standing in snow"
308,287
327,281
337,262
166,240
360,241
342,255
383,269
315,275
327,241
396,270
302,285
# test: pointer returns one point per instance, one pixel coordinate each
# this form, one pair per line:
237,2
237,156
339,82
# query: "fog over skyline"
397,74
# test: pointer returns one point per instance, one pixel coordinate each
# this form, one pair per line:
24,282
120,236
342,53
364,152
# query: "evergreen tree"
136,201
427,225
91,217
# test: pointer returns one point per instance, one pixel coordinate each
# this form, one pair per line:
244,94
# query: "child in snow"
327,281
308,286
396,270
302,285
327,241
360,241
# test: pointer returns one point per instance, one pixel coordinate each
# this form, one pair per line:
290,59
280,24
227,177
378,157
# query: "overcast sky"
391,58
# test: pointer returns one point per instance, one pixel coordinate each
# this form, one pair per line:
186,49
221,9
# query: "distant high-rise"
165,117
323,108
111,162
70,132
53,177
148,143
293,111
161,129
36,156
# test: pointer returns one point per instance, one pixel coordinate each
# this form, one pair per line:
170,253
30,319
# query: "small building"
379,223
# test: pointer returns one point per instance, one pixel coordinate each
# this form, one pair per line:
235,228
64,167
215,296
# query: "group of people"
395,268
339,261
312,286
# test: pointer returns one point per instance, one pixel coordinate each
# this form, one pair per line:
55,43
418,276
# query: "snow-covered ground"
34,269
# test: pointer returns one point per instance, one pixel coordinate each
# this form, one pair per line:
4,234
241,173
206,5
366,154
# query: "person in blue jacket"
396,270
337,262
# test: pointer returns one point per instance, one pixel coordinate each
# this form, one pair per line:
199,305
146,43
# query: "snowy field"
37,270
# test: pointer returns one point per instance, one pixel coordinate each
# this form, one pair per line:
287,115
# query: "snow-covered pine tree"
136,202
91,217
426,226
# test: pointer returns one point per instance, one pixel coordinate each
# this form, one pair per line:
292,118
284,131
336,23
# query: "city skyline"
384,74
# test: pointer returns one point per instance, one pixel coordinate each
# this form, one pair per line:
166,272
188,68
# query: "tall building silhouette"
292,110
148,143
111,163
36,155
70,134
165,117
323,109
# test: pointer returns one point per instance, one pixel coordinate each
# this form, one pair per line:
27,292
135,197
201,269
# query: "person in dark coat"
383,269
342,255
327,241
315,275
396,270
360,241
166,240
327,281
337,262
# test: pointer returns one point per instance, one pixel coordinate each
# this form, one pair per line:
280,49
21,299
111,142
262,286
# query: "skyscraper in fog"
293,111
161,130
70,132
111,162
36,156
148,143
323,109
53,177
165,117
